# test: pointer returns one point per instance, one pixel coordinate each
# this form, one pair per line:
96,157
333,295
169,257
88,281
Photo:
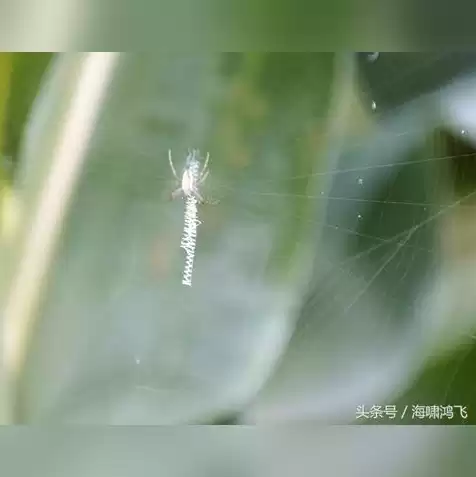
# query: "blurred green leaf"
318,284
27,70
133,345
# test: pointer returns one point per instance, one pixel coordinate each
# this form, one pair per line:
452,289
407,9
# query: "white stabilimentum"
189,239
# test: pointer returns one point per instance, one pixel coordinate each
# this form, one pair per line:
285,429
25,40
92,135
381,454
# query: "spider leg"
200,199
176,193
172,165
203,177
204,167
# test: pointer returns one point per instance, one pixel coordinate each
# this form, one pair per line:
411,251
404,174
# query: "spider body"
192,176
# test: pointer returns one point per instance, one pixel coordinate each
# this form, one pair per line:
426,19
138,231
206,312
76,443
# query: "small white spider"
191,177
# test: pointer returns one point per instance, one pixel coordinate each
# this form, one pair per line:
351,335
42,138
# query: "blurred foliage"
321,281
20,78
27,70
5,74
121,230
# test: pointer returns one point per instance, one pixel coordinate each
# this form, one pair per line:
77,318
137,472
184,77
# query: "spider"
191,177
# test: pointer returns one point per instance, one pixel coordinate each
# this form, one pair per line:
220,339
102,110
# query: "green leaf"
118,338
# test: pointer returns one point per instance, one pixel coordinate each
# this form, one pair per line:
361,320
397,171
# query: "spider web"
377,258
338,259
374,224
